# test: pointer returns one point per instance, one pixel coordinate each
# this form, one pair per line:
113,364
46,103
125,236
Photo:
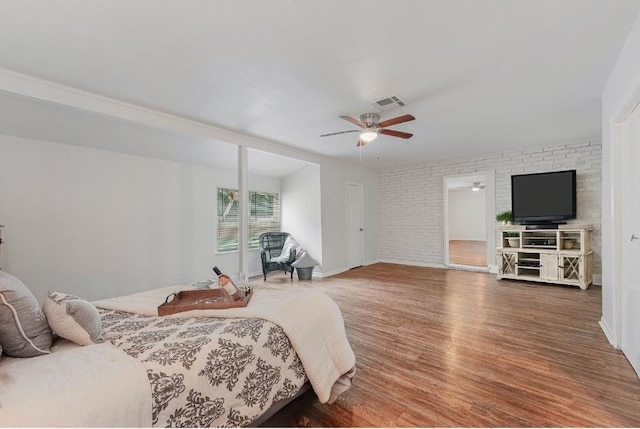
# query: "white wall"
334,177
623,81
301,210
467,214
333,174
411,199
100,224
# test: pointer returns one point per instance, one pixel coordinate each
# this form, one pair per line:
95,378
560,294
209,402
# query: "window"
264,216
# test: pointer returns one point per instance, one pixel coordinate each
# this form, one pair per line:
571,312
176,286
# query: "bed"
199,368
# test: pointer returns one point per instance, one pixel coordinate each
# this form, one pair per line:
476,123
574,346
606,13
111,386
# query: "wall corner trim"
608,333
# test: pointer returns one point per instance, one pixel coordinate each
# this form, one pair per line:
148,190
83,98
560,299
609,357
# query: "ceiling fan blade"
341,132
398,120
353,121
395,133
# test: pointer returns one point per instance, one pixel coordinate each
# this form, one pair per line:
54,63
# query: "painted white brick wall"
411,198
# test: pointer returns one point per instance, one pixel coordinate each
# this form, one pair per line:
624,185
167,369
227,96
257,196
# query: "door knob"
633,237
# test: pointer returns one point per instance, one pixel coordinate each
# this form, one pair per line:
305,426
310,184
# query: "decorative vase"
513,241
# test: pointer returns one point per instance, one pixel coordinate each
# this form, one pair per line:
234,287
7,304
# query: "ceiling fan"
476,186
370,127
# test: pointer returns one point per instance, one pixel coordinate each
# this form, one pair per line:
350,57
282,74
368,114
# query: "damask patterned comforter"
312,322
208,371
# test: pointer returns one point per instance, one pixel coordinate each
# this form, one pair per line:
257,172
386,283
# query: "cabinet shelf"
530,277
561,256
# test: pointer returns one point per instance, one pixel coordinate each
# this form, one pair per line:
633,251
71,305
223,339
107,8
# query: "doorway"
628,135
355,227
468,221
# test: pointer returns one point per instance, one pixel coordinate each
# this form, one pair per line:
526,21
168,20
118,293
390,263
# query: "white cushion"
304,261
73,318
24,331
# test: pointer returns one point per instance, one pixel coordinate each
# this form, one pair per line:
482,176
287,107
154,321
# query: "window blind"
264,216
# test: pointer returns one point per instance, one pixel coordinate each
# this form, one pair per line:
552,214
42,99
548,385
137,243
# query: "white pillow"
304,261
73,318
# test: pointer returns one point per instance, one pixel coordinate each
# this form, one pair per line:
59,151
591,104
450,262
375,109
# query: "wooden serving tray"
207,299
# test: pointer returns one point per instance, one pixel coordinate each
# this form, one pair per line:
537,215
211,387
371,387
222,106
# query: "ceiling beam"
47,91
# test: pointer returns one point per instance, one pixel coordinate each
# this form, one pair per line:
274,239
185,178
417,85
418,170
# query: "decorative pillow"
24,331
73,318
304,261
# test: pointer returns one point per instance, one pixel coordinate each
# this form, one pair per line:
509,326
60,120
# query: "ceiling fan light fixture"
368,135
370,126
476,186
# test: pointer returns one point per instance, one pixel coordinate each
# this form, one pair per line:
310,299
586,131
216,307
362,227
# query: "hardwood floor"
441,347
468,252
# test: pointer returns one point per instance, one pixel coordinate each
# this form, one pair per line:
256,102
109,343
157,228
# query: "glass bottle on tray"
227,284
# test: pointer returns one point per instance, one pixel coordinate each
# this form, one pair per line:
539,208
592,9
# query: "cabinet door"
572,268
507,264
549,266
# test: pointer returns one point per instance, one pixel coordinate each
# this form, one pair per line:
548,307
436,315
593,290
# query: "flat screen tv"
543,198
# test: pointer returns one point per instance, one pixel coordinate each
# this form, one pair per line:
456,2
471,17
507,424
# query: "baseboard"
493,269
340,270
414,263
258,273
608,333
328,273
467,268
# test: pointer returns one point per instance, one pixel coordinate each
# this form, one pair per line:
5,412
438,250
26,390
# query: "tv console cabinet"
561,256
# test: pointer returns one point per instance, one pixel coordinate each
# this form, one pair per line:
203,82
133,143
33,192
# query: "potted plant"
513,238
505,217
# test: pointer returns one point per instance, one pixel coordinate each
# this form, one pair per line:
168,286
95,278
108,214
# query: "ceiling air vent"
389,103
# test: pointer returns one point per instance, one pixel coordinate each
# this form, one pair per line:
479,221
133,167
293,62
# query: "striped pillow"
73,318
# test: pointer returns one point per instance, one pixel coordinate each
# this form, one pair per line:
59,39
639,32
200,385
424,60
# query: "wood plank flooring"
441,348
468,252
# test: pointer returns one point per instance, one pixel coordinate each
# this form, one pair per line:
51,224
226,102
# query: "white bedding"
311,320
44,391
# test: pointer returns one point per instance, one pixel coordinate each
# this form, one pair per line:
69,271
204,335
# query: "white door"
630,296
355,226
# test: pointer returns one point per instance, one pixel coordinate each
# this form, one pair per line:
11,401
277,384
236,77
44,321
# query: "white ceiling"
479,75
